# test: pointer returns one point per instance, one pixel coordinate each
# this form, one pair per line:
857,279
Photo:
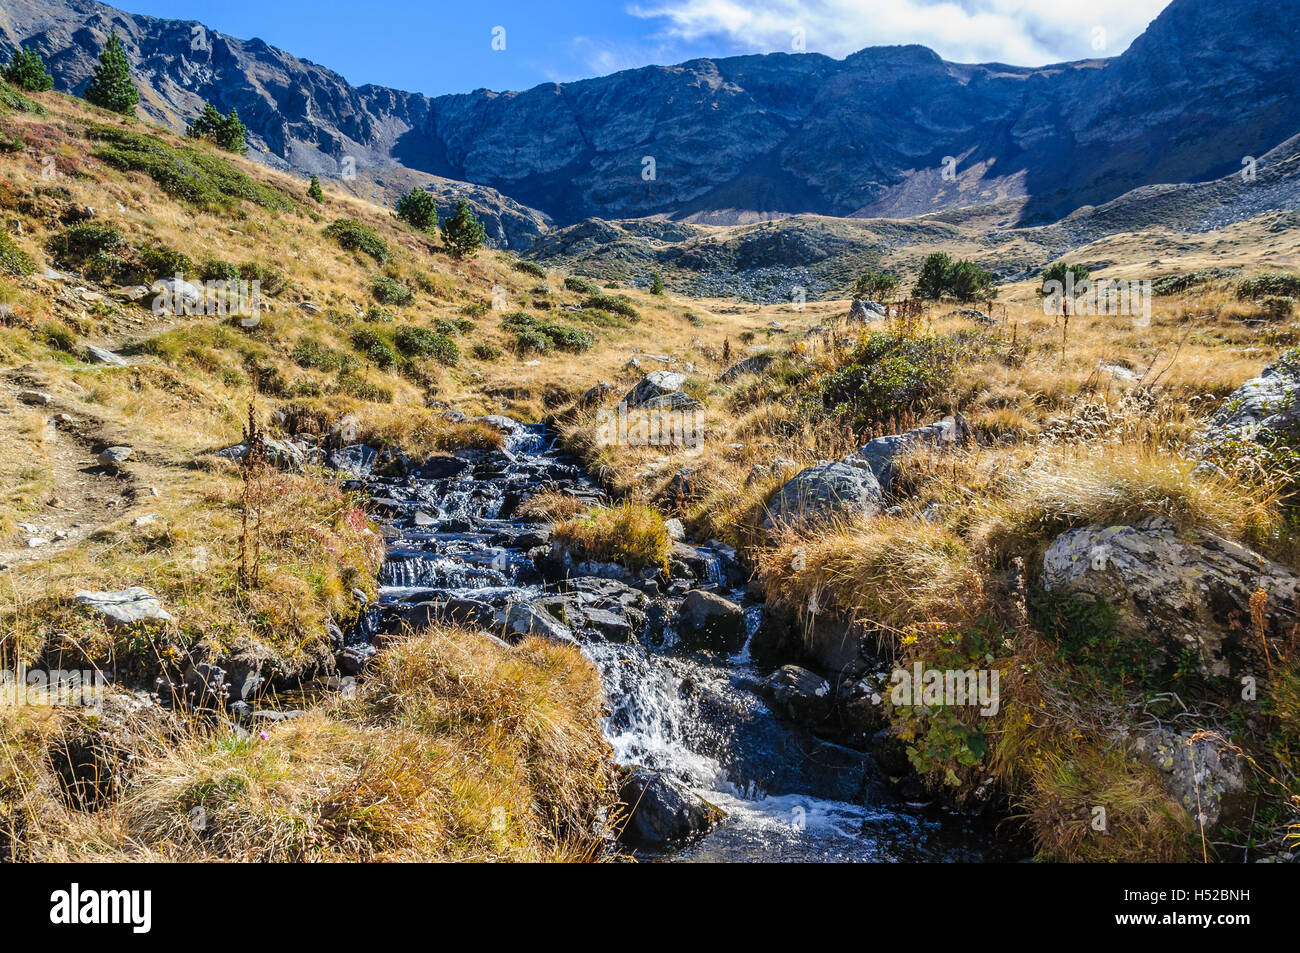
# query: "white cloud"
1007,31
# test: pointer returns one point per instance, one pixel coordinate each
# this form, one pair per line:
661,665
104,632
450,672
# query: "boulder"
520,619
750,365
823,492
803,696
1203,773
677,400
708,621
281,454
124,607
653,385
35,397
357,460
878,455
99,355
662,813
865,311
1182,591
1261,410
114,457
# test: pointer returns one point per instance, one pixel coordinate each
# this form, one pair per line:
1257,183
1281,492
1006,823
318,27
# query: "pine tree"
418,209
462,233
207,125
111,87
314,191
232,134
226,131
656,284
27,71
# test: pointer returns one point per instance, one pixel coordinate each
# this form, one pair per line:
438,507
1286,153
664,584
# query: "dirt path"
83,495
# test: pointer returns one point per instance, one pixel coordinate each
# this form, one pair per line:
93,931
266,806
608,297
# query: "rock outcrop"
1182,591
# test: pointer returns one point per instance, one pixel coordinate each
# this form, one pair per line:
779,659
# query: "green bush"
10,98
270,280
311,353
418,209
362,389
532,334
314,191
485,351
528,268
1273,284
388,291
580,285
374,346
191,175
892,375
379,315
76,243
13,260
616,304
463,233
421,342
159,261
354,236
214,269
876,285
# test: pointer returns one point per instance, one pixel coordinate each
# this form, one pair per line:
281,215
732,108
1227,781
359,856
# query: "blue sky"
444,47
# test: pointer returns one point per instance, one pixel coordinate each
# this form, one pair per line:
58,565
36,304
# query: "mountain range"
885,132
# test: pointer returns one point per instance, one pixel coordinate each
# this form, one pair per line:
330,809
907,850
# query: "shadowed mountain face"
749,137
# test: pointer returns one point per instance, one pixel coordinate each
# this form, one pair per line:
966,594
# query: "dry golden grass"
630,534
454,748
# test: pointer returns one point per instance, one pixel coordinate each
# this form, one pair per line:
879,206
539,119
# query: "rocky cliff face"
747,137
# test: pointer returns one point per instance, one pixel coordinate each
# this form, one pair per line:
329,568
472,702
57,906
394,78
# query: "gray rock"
114,457
281,454
801,695
357,460
661,812
1205,775
1180,591
750,365
100,355
866,311
653,385
674,401
125,606
708,621
1261,410
878,455
521,619
35,397
822,493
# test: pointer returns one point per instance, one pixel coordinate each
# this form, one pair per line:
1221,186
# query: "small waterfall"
695,718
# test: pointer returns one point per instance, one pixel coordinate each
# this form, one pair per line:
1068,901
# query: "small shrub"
388,291
13,260
314,190
485,351
616,304
532,334
374,346
354,236
580,285
214,269
72,246
528,268
1268,284
421,342
160,261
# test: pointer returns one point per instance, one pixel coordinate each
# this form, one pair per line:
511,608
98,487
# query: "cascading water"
696,718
